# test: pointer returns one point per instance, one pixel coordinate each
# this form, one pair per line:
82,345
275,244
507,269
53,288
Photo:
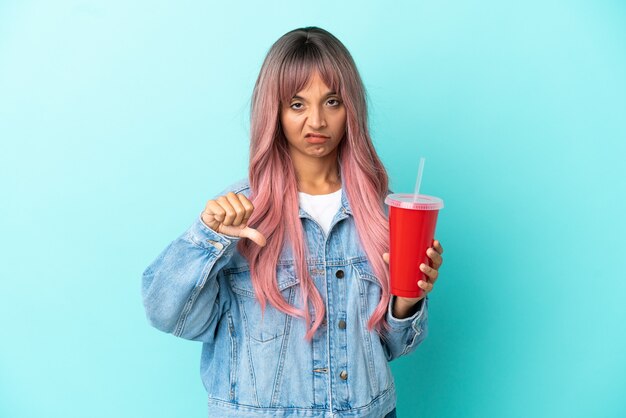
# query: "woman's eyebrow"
330,93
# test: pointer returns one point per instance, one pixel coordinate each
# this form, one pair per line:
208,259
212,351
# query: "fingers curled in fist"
229,214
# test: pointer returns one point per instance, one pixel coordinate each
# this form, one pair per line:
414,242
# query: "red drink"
411,233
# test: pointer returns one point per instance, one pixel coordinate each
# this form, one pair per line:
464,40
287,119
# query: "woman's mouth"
316,138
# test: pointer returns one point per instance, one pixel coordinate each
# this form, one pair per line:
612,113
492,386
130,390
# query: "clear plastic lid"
405,200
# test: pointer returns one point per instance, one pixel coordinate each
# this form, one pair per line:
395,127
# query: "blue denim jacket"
199,288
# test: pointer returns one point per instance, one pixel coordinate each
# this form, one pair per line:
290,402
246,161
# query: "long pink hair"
274,192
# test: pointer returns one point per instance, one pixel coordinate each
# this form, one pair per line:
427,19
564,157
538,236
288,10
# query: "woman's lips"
315,139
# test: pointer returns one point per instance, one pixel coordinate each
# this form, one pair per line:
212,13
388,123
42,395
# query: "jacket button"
343,374
339,274
342,324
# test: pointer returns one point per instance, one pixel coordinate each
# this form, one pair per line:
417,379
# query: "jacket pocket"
369,286
267,326
370,291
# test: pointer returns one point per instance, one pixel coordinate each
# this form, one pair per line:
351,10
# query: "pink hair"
286,70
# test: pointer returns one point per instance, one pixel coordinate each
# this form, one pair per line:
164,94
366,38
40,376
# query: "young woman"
283,276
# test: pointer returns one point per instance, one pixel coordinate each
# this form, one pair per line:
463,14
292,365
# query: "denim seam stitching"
364,320
283,349
251,408
338,262
180,325
233,357
328,341
247,336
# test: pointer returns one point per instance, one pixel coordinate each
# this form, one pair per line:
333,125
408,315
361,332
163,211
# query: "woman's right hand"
229,215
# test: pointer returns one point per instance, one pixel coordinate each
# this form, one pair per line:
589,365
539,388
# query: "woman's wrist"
405,307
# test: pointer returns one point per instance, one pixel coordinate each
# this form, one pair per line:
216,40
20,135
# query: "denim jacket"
199,288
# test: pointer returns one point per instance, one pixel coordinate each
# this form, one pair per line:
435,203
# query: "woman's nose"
317,118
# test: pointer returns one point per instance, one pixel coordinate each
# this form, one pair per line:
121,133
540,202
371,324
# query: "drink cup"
411,232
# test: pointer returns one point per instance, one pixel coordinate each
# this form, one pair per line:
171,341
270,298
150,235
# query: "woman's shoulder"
240,186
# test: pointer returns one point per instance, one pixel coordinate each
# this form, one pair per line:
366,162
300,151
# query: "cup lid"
405,201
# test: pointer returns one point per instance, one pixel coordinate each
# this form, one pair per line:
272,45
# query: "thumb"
254,235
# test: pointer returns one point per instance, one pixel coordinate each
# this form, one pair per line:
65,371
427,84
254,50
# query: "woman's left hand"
432,272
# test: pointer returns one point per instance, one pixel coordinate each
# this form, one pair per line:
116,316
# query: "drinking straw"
420,170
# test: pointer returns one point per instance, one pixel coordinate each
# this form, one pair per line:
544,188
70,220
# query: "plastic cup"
412,221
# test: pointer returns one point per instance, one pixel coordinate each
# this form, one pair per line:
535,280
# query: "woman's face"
314,122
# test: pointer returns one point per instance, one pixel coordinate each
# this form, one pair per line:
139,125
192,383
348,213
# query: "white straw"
420,170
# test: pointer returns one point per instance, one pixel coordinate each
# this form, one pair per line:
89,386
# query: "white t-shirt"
321,207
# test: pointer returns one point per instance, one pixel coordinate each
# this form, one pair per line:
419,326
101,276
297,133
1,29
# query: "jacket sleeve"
180,290
405,334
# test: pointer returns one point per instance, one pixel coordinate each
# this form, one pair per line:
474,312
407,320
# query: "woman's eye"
299,106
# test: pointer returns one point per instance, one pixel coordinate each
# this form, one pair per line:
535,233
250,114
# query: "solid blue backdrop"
119,120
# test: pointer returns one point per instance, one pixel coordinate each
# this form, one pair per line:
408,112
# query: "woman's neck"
317,176
324,188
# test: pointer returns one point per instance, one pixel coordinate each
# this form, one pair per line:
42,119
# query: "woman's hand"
229,215
432,272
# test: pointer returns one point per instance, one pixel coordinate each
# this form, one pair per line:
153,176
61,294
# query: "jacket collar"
344,201
345,205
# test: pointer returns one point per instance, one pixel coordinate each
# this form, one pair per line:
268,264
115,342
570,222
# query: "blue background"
119,120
